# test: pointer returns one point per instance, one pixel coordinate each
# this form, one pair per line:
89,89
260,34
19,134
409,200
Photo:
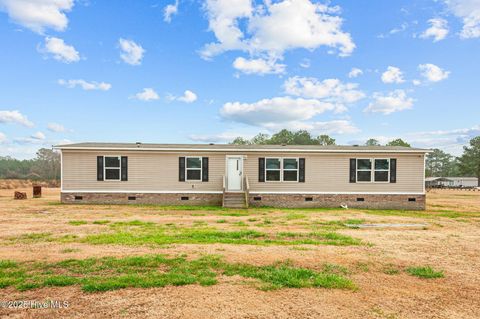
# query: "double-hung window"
290,170
364,170
193,169
112,168
382,170
373,170
281,169
273,169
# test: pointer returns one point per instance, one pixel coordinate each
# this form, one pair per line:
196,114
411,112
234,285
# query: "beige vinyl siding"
147,171
156,171
331,173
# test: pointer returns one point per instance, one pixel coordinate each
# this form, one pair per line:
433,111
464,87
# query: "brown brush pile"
24,183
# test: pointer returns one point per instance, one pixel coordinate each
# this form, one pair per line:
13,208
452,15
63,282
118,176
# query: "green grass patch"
138,232
425,272
221,221
78,222
148,234
110,273
101,222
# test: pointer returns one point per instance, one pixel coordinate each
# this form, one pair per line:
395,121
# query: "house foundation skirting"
369,201
143,198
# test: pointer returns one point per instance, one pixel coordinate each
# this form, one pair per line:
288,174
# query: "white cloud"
38,136
14,117
274,27
60,50
3,138
394,101
132,53
433,73
187,97
55,127
329,90
451,141
392,75
268,112
438,30
469,12
88,86
169,11
258,66
38,15
148,94
355,72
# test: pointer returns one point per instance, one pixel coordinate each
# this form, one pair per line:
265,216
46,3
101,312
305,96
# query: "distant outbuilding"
456,182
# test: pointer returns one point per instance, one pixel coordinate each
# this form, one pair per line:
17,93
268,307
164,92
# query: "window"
290,170
272,169
193,168
373,170
112,168
281,169
382,170
364,170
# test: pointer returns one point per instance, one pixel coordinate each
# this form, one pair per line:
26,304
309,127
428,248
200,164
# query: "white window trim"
273,169
186,169
372,171
381,170
105,169
282,169
291,169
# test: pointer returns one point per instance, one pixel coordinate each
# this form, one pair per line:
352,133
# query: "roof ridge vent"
138,144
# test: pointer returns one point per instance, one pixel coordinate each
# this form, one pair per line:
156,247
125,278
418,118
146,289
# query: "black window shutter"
261,169
353,170
301,170
181,169
99,168
124,165
204,169
393,170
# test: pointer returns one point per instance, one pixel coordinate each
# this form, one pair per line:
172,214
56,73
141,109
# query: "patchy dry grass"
74,252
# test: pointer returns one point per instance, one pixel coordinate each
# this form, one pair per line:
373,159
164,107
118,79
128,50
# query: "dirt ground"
450,242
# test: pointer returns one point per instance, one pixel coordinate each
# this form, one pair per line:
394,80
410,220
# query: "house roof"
444,179
233,147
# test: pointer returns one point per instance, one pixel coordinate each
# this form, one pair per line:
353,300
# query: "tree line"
438,162
304,137
45,166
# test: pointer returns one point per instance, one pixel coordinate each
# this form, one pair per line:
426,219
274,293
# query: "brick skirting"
143,198
412,202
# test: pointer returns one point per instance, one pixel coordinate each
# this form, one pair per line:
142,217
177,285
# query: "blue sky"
206,71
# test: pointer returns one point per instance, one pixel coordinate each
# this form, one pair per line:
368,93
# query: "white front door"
234,173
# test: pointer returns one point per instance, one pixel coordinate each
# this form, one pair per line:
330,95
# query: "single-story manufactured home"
455,182
244,175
